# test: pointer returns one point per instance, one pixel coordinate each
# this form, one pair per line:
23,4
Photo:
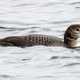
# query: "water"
52,17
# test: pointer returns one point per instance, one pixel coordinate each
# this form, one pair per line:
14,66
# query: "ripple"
18,29
64,57
46,76
78,7
25,59
17,23
61,57
46,29
5,76
54,57
52,4
23,5
72,64
74,3
59,22
17,61
12,29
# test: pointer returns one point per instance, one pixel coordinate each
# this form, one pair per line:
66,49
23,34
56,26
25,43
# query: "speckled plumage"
31,40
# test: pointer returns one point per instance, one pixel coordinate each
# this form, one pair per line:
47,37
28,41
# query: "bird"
71,39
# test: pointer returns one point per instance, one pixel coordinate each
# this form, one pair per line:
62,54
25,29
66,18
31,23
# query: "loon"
71,39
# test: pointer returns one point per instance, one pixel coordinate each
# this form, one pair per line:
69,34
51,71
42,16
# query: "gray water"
52,17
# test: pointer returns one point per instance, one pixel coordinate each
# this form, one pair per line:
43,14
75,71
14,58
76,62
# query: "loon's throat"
77,42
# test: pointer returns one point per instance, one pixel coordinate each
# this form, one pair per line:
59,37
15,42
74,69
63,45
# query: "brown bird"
71,39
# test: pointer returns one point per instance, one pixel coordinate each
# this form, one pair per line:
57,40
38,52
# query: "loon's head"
72,36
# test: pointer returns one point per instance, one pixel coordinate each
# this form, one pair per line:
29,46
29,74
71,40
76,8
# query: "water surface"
52,17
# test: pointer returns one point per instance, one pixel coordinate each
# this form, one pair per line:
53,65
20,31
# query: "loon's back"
31,40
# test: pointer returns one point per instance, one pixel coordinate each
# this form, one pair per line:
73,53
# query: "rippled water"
52,17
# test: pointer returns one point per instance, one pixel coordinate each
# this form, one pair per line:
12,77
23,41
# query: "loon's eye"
77,29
